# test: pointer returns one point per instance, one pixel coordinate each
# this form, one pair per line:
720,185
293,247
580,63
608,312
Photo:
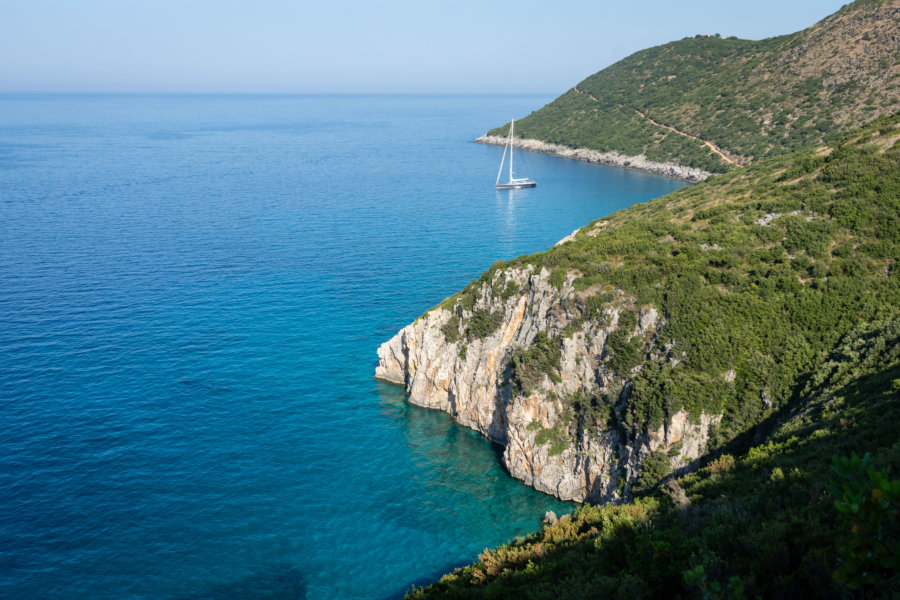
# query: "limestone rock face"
586,456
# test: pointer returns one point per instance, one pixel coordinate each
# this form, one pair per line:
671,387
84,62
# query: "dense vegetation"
752,99
780,296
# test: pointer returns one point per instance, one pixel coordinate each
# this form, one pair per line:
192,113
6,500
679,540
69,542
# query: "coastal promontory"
711,103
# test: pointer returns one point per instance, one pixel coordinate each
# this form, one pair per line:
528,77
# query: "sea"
192,292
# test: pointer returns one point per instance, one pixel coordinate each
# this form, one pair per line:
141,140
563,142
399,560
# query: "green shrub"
528,365
483,323
451,329
869,503
558,277
722,464
655,466
511,289
555,436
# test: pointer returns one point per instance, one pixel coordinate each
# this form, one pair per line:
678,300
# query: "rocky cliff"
521,357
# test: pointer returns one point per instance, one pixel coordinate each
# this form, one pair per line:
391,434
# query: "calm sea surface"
192,290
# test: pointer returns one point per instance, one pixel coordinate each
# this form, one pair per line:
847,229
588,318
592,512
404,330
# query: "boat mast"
512,124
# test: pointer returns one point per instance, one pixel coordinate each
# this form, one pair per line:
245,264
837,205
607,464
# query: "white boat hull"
515,186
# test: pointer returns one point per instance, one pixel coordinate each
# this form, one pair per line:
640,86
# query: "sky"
354,46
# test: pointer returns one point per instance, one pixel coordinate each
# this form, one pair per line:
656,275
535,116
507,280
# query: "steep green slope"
780,295
750,99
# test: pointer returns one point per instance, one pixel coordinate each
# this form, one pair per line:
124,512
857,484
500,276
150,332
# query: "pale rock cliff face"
594,459
612,159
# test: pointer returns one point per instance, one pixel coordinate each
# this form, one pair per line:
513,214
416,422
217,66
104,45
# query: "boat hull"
515,186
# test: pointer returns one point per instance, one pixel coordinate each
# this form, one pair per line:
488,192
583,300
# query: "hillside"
712,103
750,318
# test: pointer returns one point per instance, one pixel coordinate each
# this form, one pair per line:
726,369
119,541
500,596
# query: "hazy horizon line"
172,93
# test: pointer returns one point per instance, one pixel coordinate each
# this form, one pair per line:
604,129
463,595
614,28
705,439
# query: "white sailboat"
513,183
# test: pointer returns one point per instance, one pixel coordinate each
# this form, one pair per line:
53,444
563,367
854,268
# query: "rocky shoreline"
612,159
594,461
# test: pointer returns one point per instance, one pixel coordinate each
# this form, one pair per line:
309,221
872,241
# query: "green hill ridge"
713,103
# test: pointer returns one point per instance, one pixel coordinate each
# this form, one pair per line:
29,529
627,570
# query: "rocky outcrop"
612,159
537,380
568,238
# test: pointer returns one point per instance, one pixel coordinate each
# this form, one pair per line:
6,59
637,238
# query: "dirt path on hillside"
591,96
709,145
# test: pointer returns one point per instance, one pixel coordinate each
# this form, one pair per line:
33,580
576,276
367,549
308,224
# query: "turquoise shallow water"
192,290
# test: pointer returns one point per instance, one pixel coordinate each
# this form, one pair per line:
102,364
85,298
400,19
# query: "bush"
721,465
869,504
451,329
483,323
653,469
555,436
529,365
558,277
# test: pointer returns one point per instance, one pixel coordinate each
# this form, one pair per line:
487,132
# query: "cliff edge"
513,355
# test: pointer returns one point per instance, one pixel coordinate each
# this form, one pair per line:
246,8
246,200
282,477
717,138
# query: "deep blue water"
192,290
